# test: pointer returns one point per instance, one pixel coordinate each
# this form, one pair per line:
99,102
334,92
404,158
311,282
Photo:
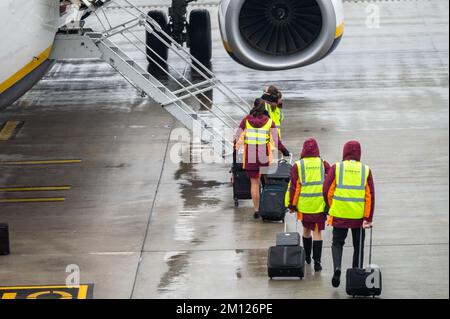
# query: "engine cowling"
280,34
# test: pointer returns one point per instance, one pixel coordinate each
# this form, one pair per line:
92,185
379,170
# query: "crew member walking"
350,193
257,132
305,197
274,105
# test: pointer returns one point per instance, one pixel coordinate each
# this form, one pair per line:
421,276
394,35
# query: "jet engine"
280,34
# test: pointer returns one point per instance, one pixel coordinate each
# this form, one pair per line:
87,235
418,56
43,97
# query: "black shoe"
317,266
308,260
336,281
256,215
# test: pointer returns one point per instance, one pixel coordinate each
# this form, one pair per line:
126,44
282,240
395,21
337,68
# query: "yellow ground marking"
30,200
35,189
8,130
34,292
41,162
9,295
83,292
27,69
63,294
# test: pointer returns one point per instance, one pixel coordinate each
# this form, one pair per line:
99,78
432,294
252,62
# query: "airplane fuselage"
27,30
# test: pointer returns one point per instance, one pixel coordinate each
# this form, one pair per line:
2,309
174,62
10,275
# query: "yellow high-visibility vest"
311,173
350,194
258,136
276,115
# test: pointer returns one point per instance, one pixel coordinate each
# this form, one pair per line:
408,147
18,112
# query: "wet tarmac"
141,226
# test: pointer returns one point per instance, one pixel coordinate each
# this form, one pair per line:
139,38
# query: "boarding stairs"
187,98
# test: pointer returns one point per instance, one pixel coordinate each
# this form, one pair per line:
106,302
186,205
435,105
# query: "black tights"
339,236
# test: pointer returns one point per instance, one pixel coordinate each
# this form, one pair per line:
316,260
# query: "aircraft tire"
200,40
153,42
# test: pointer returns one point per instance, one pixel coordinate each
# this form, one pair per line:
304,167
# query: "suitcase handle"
284,160
361,247
296,223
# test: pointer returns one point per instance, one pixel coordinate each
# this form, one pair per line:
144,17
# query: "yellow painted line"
41,162
63,294
9,295
83,292
35,189
8,130
340,30
30,200
27,69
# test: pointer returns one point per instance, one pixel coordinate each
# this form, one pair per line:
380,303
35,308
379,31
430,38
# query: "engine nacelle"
280,34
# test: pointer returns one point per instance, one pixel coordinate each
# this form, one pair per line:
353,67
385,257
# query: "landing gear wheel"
236,203
159,48
200,41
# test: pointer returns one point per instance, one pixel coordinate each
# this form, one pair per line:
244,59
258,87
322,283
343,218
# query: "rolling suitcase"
364,282
240,181
272,207
4,239
272,202
286,260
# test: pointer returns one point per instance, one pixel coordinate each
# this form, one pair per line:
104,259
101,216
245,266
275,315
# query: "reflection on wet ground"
171,280
195,191
199,199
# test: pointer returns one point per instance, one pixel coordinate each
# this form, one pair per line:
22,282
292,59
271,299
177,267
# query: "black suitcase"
240,181
364,282
272,206
4,239
286,261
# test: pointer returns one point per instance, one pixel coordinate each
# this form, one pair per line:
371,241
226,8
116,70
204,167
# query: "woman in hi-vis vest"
305,197
257,132
274,106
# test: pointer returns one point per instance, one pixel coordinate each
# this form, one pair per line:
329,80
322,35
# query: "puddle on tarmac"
171,280
195,191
